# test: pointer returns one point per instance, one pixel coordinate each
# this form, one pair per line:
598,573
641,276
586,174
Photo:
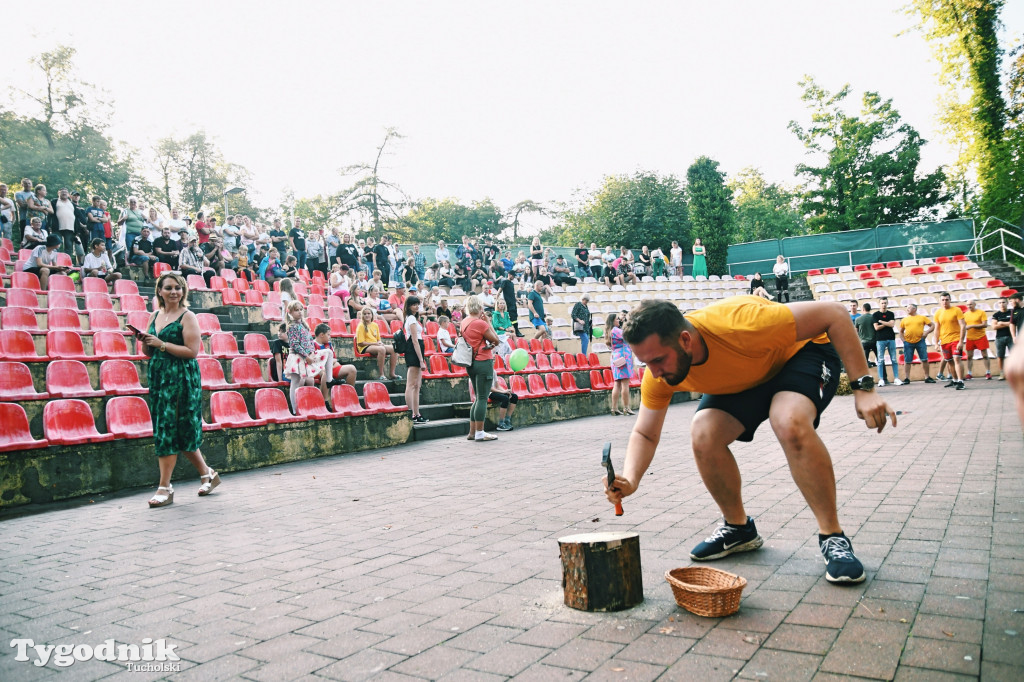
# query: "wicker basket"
706,591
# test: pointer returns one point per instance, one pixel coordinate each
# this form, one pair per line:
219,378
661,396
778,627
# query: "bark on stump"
601,571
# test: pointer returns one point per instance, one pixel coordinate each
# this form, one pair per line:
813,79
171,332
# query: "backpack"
399,342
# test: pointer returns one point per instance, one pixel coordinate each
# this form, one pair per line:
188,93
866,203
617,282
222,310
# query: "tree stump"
601,571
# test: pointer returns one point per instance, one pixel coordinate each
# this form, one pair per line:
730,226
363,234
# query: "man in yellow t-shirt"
754,360
976,323
914,330
950,331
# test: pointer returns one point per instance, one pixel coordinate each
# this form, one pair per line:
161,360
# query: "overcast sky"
511,100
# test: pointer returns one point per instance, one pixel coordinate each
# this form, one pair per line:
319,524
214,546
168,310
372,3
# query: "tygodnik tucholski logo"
149,656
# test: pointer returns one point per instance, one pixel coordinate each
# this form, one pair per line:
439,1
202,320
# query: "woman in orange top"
368,341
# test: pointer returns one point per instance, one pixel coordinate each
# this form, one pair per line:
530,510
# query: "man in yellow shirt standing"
976,323
950,331
755,361
914,330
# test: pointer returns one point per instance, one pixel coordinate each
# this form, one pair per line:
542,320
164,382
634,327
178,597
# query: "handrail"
1002,232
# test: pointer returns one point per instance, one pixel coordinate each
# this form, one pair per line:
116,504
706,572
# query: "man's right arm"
643,442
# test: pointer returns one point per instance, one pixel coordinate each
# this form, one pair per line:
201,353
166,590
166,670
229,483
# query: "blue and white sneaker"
728,539
841,565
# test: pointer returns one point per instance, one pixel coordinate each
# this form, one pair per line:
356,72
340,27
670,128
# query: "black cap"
53,240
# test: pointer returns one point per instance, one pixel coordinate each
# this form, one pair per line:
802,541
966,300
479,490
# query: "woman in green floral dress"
700,265
172,342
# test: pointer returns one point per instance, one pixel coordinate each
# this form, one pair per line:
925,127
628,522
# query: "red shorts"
980,344
948,349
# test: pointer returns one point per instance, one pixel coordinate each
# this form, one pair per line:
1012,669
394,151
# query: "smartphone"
135,330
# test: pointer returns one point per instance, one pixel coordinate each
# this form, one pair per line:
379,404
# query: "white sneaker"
898,382
881,382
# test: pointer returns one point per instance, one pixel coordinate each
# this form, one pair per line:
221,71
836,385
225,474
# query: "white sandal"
160,499
208,485
486,436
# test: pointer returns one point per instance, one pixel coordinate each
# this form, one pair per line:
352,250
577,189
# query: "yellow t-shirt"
948,324
913,327
976,317
367,335
749,339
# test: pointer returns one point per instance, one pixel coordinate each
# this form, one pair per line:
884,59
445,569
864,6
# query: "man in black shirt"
348,252
507,290
582,260
380,255
298,243
491,252
885,340
1002,322
279,239
166,249
142,254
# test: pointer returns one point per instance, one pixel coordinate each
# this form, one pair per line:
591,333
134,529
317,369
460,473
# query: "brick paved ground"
438,561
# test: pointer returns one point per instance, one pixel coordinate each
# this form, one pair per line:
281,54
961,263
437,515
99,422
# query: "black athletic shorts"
813,372
413,360
503,399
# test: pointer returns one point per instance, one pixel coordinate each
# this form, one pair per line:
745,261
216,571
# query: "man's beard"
683,362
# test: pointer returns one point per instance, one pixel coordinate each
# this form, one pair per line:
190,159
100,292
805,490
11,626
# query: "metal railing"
979,246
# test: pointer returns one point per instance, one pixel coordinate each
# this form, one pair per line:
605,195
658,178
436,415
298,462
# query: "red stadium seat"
813,272
346,402
101,321
882,274
961,258
228,274
211,374
377,399
309,404
917,271
24,254
339,328
238,284
224,345
826,271
609,378
597,381
133,303
458,370
994,284
67,320
14,431
637,378
431,329
253,298
94,285
16,383
543,364
1006,293
569,384
963,275
272,406
395,326
159,269
246,373
893,264
26,298
547,346
873,284
570,362
65,346
24,280
860,268
536,384
556,362
112,345
499,366
139,320
257,346
439,366
595,363
385,330
120,377
70,422
933,269
195,283
61,283
19,318
518,386
942,260
230,296
866,276
217,283
208,323
128,417
227,408
582,361
335,312
17,344
94,301
261,286
878,266
531,365
272,312
536,346
553,384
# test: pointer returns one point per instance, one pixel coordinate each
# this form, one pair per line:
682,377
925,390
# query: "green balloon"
598,332
518,360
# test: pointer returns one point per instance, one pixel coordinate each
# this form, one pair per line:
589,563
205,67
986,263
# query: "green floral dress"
175,395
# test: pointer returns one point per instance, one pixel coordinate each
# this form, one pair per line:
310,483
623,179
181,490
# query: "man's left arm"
813,319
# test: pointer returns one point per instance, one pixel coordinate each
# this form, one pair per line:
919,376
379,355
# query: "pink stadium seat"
94,301
339,328
272,406
261,286
14,431
569,384
208,323
272,312
553,384
128,417
237,283
253,298
24,280
346,402
70,422
139,320
227,408
217,283
196,283
309,403
125,286
518,386
94,285
65,346
224,345
211,375
24,298
69,379
133,303
377,399
54,299
335,312
19,318
61,283
112,345
246,373
67,320
17,344
230,296
536,384
16,383
120,377
257,346
100,321
159,269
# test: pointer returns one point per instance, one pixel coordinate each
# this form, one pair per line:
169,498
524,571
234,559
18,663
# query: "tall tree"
763,210
377,201
448,219
524,206
964,38
628,210
711,211
867,164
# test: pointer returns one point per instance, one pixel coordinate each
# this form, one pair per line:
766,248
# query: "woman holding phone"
172,342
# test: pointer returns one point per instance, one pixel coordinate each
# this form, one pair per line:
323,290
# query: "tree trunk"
601,571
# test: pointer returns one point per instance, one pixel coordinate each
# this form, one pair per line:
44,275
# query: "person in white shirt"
64,209
444,337
7,211
177,225
43,261
441,253
97,264
781,270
